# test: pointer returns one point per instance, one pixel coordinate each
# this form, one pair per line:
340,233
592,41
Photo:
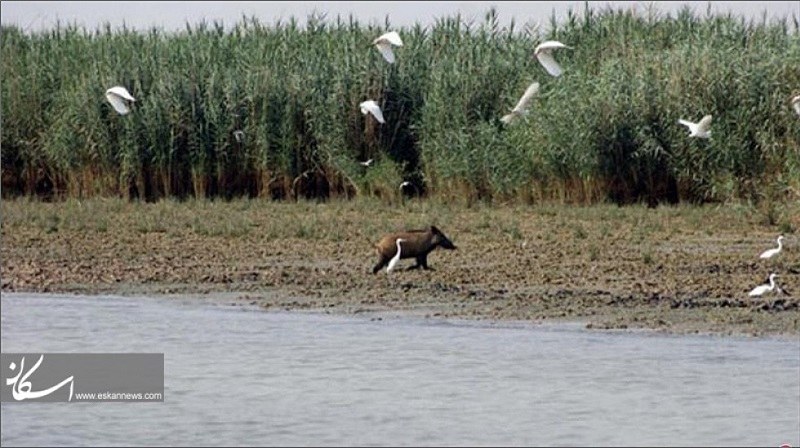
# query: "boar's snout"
447,244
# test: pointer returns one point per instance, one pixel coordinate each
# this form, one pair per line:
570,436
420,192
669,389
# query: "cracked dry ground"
678,269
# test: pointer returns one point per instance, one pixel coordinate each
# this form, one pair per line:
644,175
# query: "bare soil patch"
678,269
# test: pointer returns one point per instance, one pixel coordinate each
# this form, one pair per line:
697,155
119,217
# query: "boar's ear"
435,230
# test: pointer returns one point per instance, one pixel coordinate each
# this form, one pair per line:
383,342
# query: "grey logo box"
81,377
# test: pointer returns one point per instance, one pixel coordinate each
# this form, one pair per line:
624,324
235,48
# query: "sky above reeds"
173,15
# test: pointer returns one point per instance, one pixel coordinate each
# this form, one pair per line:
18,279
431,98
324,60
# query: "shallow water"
243,376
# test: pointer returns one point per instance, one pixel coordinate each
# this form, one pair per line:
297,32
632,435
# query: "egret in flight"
522,105
543,53
371,107
770,253
701,129
119,96
384,45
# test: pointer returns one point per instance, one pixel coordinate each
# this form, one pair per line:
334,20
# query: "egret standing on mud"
384,45
543,54
770,253
701,129
758,290
371,107
118,96
396,257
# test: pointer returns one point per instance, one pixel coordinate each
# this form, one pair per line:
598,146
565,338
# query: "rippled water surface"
242,376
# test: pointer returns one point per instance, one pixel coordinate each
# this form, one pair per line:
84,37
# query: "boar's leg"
422,262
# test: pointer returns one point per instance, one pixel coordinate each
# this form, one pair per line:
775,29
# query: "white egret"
543,53
396,257
239,135
372,107
523,103
118,96
769,253
367,163
796,104
384,45
701,129
758,290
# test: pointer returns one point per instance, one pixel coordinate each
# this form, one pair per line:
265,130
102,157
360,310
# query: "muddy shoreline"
672,269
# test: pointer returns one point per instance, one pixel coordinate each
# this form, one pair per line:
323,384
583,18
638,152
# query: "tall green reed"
272,111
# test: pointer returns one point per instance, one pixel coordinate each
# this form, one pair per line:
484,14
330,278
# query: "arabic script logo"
21,388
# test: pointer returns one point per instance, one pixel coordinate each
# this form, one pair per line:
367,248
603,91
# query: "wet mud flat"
682,269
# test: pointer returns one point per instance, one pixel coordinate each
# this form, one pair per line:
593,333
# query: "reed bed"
606,130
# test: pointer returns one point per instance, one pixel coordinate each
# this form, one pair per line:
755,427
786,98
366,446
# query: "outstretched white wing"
550,45
122,92
524,102
119,97
118,103
372,107
704,125
391,37
543,54
386,51
688,124
549,64
384,45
